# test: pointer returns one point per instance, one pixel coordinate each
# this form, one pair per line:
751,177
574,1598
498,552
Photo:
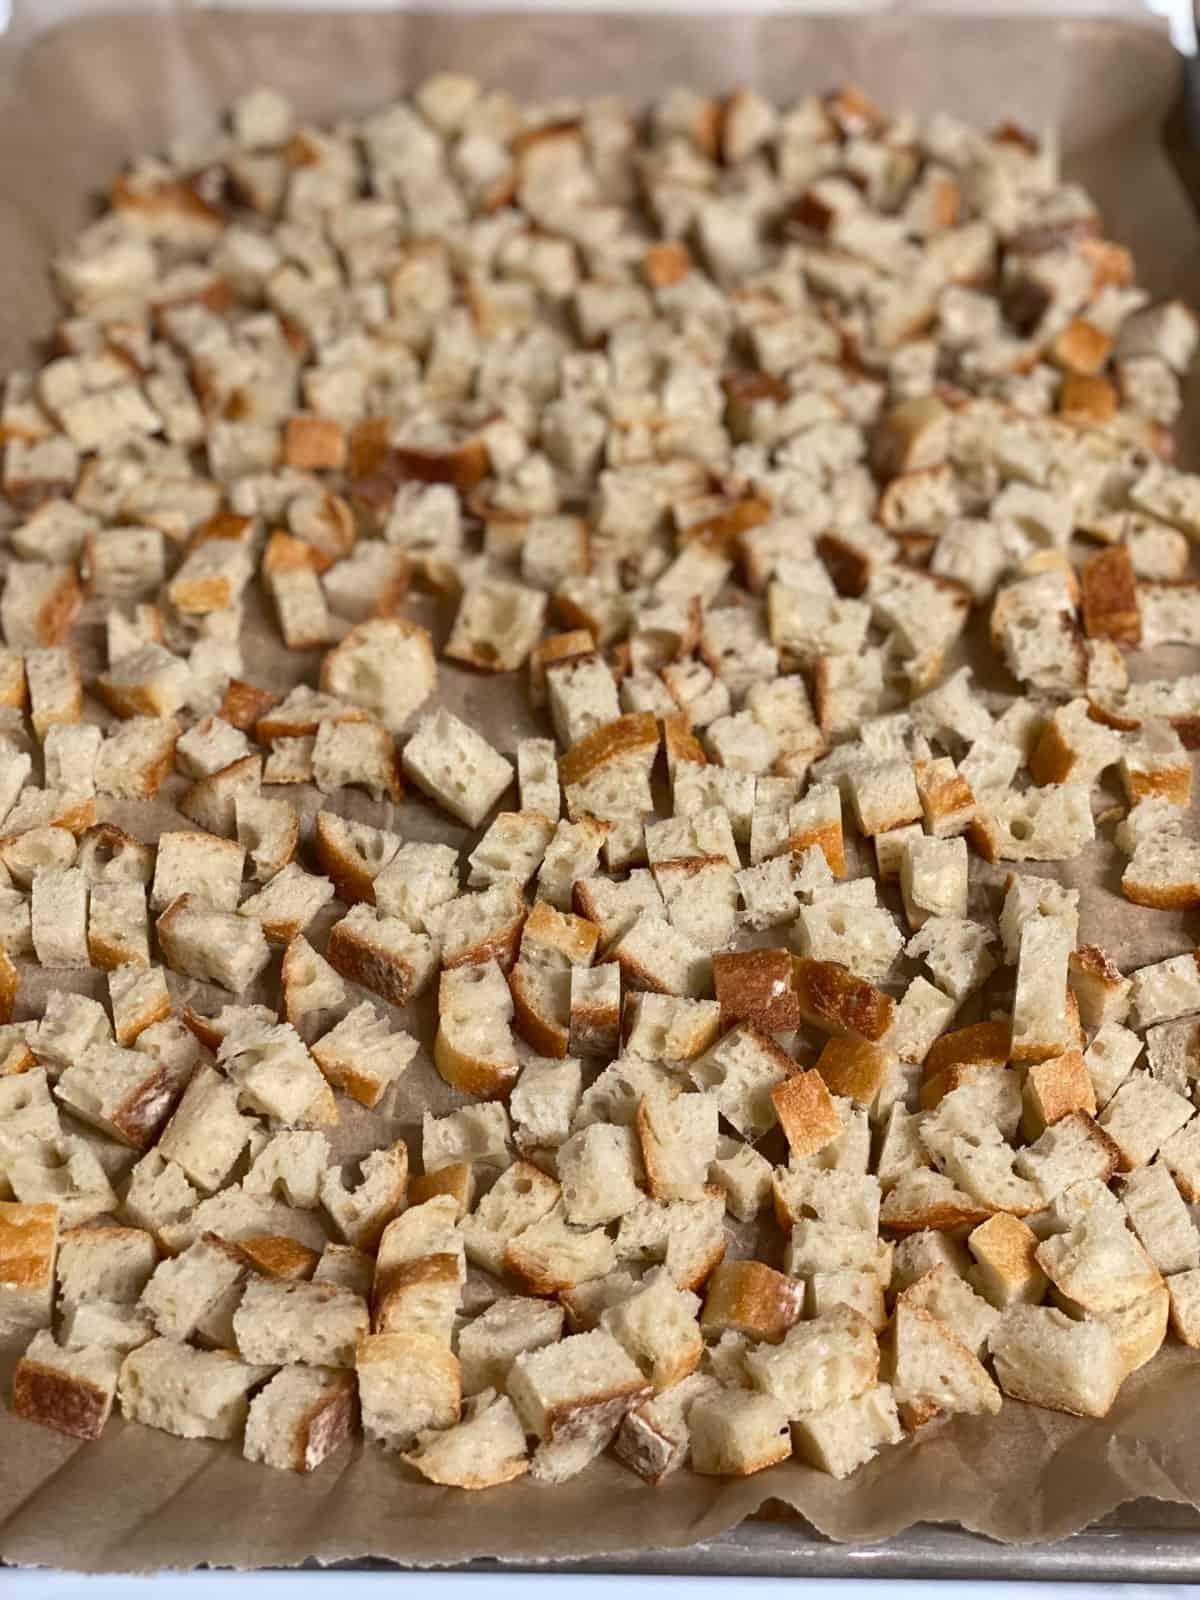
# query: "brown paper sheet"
76,102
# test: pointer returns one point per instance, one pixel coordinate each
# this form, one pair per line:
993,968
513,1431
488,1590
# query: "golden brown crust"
632,736
572,645
939,1216
354,956
276,1256
393,1285
1008,1245
1165,783
981,1044
854,1068
828,837
12,680
1053,759
756,986
471,1074
314,444
284,553
571,936
1110,599
70,1405
1054,1088
351,877
455,1180
666,263
947,800
752,1298
542,1032
58,610
1087,398
1081,347
832,998
244,704
806,1112
28,1244
10,982
1162,897
465,466
722,533
680,743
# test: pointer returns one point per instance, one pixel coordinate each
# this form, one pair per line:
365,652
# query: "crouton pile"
790,1115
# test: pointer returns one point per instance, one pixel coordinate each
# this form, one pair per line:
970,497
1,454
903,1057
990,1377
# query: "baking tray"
897,57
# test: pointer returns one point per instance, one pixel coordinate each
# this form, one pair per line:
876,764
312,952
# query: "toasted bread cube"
1110,1058
118,932
806,1111
69,1390
1160,1219
741,1072
599,1168
572,1397
678,1137
751,1298
361,1214
290,1165
933,879
195,1394
657,1326
833,999
854,1068
736,1435
303,1416
817,820
408,1380
1044,1357
1006,1270
1142,1115
385,665
382,953
1052,1089
286,905
28,1252
1184,1290
474,1049
653,1437
544,1101
485,1449
457,768
215,946
189,1289
1039,1006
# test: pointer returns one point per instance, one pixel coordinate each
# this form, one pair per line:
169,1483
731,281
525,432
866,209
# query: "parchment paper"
76,102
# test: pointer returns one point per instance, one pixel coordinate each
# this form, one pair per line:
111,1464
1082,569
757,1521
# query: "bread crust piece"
806,1112
394,974
319,1408
408,649
1110,598
832,998
630,738
980,1044
855,1068
756,986
71,1393
752,1298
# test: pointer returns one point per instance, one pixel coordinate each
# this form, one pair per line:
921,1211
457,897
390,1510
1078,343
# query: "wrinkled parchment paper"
73,105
